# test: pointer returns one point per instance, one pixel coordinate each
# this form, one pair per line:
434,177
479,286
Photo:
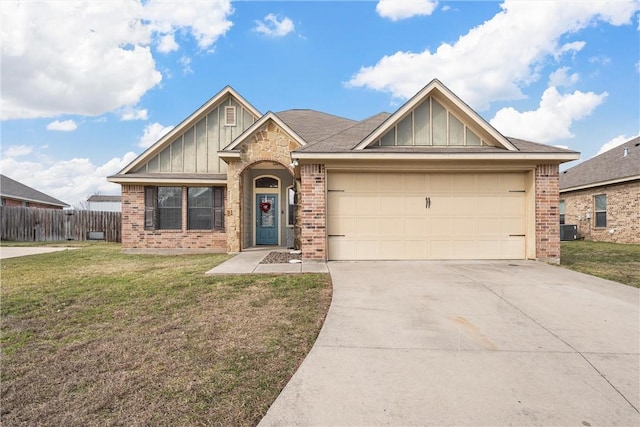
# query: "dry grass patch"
95,337
612,261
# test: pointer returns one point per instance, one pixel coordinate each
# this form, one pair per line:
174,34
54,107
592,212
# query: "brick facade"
134,235
623,212
313,212
21,203
547,220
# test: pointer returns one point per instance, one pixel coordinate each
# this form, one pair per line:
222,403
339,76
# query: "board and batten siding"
196,149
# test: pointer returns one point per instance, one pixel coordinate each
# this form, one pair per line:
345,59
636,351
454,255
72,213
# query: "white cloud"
168,44
185,62
49,68
402,9
494,60
614,142
273,27
561,77
17,151
130,113
152,133
64,126
71,181
552,120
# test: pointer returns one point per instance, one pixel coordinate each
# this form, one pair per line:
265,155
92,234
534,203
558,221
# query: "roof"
610,167
314,126
105,199
13,189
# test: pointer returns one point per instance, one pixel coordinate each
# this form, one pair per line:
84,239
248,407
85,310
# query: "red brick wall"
623,213
134,236
20,203
547,219
313,212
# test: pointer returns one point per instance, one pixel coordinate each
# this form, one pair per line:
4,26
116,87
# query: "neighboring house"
14,193
602,195
102,203
433,180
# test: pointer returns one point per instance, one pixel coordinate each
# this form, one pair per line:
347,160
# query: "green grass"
612,261
96,337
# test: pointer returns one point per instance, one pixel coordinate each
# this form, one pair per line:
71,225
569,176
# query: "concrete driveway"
469,343
18,251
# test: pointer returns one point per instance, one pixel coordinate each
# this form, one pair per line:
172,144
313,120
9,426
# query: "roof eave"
269,115
133,180
601,183
508,155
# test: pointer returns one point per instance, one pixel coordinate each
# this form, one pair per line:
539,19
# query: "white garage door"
378,216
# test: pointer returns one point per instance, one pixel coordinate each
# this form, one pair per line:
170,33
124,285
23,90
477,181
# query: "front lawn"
612,261
95,337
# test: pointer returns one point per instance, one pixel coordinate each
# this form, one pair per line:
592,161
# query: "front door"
266,219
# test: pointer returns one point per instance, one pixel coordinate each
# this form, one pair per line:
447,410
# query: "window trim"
596,212
288,223
562,208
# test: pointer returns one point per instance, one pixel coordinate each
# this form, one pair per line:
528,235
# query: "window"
266,182
562,209
169,208
229,116
163,208
600,208
291,212
205,206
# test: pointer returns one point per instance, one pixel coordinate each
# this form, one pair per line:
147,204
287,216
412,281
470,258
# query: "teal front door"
266,219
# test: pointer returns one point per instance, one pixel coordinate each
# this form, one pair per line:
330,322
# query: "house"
104,203
433,180
14,193
602,195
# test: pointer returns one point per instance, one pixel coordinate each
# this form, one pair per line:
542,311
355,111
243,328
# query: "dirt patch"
276,257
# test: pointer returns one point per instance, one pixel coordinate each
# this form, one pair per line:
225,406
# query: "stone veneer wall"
313,212
268,144
134,235
547,219
623,212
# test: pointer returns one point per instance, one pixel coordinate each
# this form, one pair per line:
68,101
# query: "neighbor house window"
291,202
163,208
206,208
562,209
600,208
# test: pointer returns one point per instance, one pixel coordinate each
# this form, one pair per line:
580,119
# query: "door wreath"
265,207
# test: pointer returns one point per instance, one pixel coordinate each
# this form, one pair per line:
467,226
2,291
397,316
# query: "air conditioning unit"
568,232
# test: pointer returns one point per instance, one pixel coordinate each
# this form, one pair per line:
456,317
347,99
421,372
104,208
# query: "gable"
436,117
192,147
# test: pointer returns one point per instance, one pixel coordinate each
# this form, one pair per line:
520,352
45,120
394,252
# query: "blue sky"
87,85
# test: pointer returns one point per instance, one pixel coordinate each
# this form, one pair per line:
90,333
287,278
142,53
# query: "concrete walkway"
16,251
469,343
248,262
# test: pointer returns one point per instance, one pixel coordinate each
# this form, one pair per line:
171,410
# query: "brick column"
132,215
547,219
313,212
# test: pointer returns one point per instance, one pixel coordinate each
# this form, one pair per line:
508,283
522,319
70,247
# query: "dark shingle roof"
608,166
349,137
314,126
13,189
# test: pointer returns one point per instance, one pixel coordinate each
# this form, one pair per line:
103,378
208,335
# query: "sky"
86,86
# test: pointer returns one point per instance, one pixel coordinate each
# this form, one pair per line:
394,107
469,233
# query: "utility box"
568,232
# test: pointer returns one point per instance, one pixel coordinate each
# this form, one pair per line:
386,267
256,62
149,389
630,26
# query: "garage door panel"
386,216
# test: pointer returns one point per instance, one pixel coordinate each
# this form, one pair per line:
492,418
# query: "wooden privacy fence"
46,225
